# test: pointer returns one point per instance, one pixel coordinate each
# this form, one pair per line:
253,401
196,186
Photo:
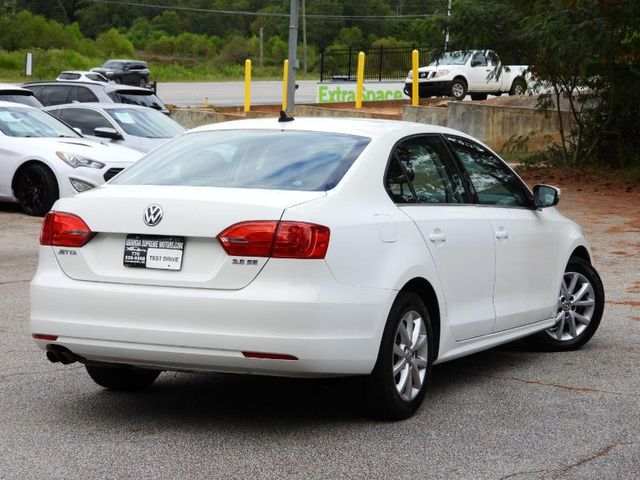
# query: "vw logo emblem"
152,215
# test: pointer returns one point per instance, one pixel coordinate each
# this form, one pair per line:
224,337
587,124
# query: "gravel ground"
504,413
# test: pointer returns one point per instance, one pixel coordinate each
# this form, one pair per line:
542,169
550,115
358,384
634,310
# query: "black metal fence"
381,63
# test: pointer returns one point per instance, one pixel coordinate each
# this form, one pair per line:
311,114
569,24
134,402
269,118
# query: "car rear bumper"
331,329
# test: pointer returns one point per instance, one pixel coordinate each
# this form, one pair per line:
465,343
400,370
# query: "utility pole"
304,34
261,46
446,31
293,56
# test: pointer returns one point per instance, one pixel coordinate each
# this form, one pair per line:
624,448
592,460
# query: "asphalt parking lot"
505,413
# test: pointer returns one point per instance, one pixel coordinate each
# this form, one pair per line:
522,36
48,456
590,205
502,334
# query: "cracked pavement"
507,413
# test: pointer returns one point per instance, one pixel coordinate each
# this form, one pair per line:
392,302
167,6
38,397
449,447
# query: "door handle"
437,236
502,234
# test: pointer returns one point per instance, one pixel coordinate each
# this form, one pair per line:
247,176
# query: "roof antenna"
284,117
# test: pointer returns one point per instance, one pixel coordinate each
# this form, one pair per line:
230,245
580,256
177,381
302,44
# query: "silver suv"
61,92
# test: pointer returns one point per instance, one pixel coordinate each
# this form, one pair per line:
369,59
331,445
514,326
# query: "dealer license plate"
151,251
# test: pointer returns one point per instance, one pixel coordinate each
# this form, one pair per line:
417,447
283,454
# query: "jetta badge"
152,215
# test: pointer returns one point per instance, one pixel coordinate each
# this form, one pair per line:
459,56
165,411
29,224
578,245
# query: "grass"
47,64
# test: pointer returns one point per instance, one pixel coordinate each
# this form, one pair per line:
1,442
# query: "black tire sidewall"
516,82
387,402
464,86
50,195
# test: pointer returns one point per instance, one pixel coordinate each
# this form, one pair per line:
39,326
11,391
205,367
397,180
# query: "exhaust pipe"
57,353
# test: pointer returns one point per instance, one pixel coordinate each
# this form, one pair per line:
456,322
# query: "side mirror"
546,195
77,130
475,63
106,132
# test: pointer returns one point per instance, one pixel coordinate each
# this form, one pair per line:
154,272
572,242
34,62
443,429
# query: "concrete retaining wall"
525,128
495,125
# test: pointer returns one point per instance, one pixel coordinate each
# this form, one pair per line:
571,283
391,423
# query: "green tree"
113,43
584,52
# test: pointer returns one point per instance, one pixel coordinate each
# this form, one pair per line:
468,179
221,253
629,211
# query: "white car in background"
475,72
81,76
310,247
140,128
42,159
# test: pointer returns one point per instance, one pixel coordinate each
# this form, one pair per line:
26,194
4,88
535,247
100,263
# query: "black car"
128,72
59,92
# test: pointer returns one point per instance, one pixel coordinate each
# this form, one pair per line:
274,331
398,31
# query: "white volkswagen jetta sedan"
42,159
313,247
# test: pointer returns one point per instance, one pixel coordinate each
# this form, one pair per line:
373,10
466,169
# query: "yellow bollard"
360,80
247,85
285,79
206,102
415,65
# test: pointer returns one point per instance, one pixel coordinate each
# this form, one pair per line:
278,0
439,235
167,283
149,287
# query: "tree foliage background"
585,53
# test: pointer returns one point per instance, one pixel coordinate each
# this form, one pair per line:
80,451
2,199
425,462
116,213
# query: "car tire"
122,378
518,87
411,361
478,96
580,307
36,189
459,88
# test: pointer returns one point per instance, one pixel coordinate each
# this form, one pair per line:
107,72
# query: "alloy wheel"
410,353
576,305
457,90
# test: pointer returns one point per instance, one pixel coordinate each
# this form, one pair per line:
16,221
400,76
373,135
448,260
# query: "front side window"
493,181
479,60
420,172
85,119
28,122
260,159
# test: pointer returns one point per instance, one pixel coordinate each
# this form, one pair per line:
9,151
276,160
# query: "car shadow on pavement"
218,399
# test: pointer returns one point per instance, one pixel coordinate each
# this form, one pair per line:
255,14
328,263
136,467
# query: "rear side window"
85,119
55,94
137,98
493,181
421,172
261,159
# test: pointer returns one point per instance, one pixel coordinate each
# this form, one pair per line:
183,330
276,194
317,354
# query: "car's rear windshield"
68,76
142,98
25,98
262,159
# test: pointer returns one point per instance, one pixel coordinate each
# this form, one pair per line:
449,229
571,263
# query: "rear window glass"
135,98
68,76
25,98
278,160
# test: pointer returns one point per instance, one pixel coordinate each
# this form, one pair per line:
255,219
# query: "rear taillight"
61,229
248,239
275,239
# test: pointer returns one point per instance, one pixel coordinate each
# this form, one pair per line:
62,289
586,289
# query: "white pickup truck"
454,74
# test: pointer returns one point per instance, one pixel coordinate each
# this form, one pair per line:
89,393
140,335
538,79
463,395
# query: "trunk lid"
198,214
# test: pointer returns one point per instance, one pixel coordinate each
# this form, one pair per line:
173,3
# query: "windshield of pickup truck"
451,58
